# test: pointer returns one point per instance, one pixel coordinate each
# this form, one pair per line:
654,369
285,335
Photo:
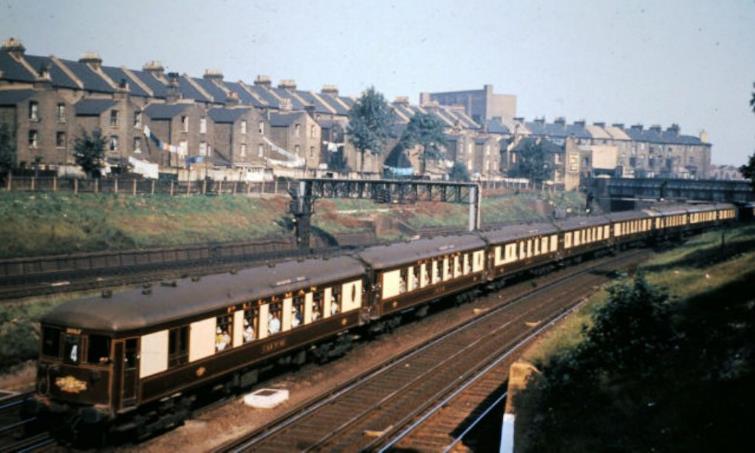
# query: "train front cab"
78,372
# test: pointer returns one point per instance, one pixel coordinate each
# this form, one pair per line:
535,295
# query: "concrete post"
133,186
116,185
474,208
54,183
152,188
33,183
75,185
171,188
204,186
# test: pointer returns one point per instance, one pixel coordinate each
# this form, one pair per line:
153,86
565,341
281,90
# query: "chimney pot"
213,74
92,58
289,84
263,80
329,89
153,66
14,46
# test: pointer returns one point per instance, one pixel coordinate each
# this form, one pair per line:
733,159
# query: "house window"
260,150
243,150
312,131
297,130
34,111
61,111
243,127
262,128
202,148
203,125
113,118
183,147
312,151
33,138
137,144
138,118
297,149
185,123
113,143
60,139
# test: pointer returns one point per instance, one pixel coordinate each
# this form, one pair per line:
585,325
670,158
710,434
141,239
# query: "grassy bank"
665,367
54,223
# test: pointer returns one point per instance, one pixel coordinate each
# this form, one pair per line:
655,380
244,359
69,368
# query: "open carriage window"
426,274
223,333
98,349
318,300
274,318
251,318
297,310
335,300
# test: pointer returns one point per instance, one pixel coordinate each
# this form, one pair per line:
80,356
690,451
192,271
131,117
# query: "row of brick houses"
178,121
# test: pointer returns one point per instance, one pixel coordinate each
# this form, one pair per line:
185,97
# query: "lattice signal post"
307,190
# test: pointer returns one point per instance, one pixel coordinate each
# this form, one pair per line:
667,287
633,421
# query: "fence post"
133,181
220,187
248,187
75,185
54,183
234,187
10,181
275,185
204,186
171,188
188,187
96,186
33,183
115,185
152,188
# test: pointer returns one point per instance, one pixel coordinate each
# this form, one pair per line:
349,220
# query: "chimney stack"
580,123
599,124
637,127
173,92
213,74
329,89
91,58
286,105
14,47
655,128
560,120
232,99
263,81
287,84
618,125
402,100
674,129
155,68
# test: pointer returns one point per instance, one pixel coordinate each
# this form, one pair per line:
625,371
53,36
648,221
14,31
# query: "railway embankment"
57,223
660,361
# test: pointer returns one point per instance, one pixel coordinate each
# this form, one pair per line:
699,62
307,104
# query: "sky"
690,62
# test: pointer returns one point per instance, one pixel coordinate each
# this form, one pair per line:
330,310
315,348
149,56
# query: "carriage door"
130,371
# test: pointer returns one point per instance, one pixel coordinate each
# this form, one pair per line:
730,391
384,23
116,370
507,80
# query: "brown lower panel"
218,365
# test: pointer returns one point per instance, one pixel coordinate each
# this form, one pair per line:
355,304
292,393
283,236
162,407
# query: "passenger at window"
222,339
273,323
248,331
315,312
296,316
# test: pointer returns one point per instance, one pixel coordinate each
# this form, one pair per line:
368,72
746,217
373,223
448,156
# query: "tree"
369,124
458,172
7,149
532,162
426,130
89,151
748,171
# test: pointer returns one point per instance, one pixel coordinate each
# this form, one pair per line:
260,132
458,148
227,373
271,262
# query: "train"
134,363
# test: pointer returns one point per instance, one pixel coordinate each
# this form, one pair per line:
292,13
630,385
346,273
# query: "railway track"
19,433
373,409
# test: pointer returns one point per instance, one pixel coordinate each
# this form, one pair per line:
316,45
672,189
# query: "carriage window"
402,280
446,267
335,300
251,319
98,349
178,346
274,318
72,349
297,310
457,266
415,277
436,272
467,264
223,333
318,298
426,275
51,342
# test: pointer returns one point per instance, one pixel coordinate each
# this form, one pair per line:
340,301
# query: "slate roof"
13,70
494,126
312,100
189,92
265,94
283,119
164,111
91,80
244,96
224,115
297,105
93,107
118,74
331,100
157,87
212,89
13,97
59,78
